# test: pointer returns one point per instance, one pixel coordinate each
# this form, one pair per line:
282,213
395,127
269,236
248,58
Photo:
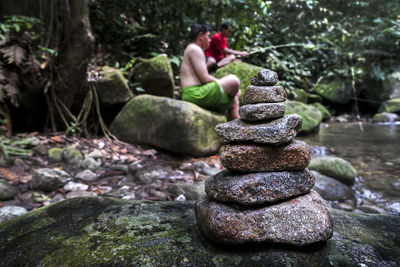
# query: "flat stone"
265,77
262,111
299,221
258,188
258,158
264,94
277,131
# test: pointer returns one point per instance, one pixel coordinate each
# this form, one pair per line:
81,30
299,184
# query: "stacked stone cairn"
265,195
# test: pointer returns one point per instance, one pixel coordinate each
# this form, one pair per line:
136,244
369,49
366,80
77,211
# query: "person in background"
201,88
218,54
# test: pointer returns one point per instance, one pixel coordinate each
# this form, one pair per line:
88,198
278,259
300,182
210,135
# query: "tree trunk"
74,52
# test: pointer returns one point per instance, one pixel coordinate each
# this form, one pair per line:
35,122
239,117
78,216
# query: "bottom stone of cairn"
298,221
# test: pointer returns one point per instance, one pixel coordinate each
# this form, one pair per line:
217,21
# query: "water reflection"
374,150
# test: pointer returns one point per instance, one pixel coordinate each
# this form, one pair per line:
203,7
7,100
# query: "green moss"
334,167
391,106
298,95
244,71
72,155
336,91
326,115
55,154
312,117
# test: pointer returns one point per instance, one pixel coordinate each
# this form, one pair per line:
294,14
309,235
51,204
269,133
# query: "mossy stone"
174,125
334,167
311,116
113,87
72,155
155,76
102,231
55,154
385,117
392,105
336,91
326,115
244,71
298,94
314,98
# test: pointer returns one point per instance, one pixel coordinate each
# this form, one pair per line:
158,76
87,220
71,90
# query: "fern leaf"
14,54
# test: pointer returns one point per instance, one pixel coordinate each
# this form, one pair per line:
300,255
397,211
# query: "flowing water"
374,150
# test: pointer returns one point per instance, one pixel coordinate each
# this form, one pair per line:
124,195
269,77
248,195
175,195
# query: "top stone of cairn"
265,77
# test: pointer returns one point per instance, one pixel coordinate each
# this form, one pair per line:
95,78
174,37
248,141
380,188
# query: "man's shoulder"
193,48
216,36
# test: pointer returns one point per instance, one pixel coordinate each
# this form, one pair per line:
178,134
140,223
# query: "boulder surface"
113,232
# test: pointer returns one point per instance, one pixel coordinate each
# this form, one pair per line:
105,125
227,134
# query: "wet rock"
95,154
86,175
165,233
334,167
311,115
9,212
80,193
57,198
72,186
191,191
264,94
91,163
299,221
260,158
7,190
112,88
265,77
72,155
149,174
200,167
385,117
55,154
174,125
276,132
258,188
49,179
262,111
331,189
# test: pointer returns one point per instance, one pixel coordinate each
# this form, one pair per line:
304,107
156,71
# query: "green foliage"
13,147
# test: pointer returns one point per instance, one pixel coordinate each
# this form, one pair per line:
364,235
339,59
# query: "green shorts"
209,96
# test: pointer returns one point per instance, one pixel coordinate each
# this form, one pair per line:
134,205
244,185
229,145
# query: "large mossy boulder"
391,106
174,125
244,71
336,91
326,115
155,76
103,231
334,167
297,94
112,87
312,117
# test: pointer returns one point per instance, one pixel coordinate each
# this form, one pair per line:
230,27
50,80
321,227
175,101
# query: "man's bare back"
193,68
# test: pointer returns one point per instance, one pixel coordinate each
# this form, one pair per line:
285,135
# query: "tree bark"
74,52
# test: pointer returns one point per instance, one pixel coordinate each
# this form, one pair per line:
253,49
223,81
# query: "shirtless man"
198,86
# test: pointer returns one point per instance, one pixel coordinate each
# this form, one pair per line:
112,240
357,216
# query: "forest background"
305,41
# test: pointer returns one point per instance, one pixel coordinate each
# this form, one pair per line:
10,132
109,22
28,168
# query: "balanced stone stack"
265,195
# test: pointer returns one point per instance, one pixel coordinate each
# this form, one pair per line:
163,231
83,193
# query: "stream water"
374,150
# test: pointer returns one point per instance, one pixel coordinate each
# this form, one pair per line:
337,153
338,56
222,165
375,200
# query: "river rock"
9,212
331,189
174,125
299,221
72,155
294,155
258,188
334,167
276,132
86,175
7,190
55,154
336,91
265,77
155,76
244,71
49,179
104,231
262,111
312,116
112,87
385,117
264,94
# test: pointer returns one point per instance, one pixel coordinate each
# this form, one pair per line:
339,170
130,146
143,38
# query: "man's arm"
198,60
234,52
